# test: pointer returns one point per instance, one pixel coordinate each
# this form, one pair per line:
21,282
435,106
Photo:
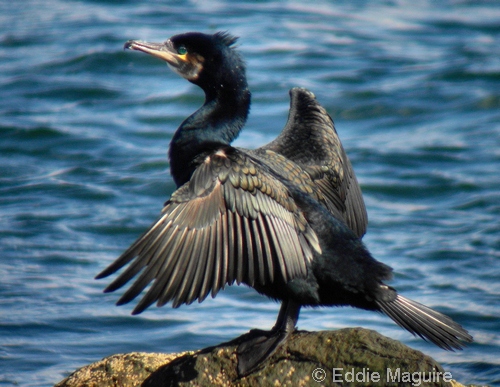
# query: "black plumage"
285,219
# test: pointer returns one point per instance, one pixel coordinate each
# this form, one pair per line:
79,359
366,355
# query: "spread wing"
310,140
232,221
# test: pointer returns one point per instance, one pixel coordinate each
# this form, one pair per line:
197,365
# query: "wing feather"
277,246
250,266
239,253
217,282
170,271
310,140
200,247
209,270
156,289
231,247
256,240
189,271
268,256
233,221
179,275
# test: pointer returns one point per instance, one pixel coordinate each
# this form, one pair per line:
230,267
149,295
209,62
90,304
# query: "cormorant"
286,219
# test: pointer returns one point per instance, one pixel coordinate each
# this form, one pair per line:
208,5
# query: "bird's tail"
422,321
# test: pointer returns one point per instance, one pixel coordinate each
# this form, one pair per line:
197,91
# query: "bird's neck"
217,123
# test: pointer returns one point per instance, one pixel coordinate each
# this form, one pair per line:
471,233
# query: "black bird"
285,219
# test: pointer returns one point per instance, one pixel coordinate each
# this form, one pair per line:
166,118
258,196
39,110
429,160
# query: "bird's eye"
182,50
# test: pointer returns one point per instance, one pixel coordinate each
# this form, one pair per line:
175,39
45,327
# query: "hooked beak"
163,51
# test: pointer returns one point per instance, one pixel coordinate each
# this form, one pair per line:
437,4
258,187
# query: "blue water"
414,90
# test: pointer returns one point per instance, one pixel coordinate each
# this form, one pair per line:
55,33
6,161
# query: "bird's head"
209,61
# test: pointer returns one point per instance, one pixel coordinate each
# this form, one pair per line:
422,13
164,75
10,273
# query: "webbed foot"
262,344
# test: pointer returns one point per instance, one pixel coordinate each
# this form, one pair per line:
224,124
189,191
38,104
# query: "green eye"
182,50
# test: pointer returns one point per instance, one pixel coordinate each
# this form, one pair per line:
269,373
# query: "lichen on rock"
341,355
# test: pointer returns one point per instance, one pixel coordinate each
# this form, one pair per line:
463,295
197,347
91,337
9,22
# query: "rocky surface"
307,359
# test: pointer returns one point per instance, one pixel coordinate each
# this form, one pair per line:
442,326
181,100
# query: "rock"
336,357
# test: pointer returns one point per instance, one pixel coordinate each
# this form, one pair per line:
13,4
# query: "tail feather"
422,321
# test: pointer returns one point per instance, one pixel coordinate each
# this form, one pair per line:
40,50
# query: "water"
414,91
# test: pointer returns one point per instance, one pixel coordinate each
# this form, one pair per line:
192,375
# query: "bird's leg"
253,352
281,316
261,334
